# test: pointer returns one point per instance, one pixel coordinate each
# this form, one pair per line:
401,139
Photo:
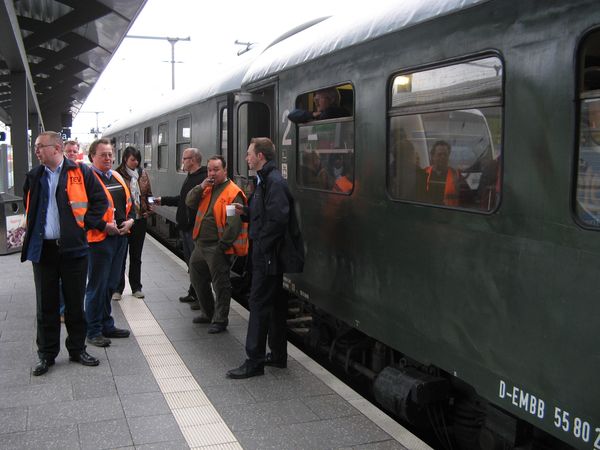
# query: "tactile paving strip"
199,421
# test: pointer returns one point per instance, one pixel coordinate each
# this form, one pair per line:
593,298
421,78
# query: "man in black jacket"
276,248
191,162
63,200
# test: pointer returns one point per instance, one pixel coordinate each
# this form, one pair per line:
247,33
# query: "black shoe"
42,367
187,299
279,362
195,306
99,341
201,319
117,333
217,328
246,370
85,359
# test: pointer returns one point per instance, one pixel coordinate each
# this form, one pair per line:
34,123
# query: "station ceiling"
62,46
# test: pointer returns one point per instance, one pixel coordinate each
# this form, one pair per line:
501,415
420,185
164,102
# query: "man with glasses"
191,162
63,200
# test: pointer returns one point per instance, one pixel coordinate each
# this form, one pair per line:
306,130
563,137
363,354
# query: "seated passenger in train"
339,175
313,173
327,106
445,185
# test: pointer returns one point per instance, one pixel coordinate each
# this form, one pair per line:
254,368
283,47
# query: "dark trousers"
48,274
135,242
188,248
104,270
268,313
208,264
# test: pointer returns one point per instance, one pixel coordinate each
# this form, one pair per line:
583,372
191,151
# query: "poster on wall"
15,231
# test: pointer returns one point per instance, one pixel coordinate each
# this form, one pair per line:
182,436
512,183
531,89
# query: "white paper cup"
230,210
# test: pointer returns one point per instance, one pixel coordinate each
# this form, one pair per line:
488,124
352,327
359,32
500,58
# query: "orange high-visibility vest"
451,197
343,184
109,215
76,193
231,191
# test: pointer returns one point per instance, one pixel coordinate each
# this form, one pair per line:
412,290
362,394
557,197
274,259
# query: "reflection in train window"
148,147
223,134
326,139
587,202
163,146
326,155
184,136
254,120
445,140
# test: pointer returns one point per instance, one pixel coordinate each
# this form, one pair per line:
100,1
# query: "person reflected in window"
408,175
327,106
444,185
313,173
588,180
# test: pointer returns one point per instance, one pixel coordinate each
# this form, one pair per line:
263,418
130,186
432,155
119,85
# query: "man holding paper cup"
218,235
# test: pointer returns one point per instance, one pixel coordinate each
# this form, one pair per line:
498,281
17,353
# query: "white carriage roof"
346,30
227,81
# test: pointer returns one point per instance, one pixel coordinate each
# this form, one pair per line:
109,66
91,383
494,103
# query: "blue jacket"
274,229
72,236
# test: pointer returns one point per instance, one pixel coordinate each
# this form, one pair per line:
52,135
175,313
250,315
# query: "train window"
587,201
184,136
445,135
162,162
148,147
223,133
253,121
326,139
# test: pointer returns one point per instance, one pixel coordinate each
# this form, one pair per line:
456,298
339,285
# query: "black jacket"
303,116
274,229
185,216
72,236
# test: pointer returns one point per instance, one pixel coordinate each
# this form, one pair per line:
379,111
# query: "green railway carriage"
480,305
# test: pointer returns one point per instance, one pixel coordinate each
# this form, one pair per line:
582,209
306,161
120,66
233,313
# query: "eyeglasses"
186,158
38,146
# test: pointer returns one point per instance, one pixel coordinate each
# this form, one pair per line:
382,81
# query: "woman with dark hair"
139,184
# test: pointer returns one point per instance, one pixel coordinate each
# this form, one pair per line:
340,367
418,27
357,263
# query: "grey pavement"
119,404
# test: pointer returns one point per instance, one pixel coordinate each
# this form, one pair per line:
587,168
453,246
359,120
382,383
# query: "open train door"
254,115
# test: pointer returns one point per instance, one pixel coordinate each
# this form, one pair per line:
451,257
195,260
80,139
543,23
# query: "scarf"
134,187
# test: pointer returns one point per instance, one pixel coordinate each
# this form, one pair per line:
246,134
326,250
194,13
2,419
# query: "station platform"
165,386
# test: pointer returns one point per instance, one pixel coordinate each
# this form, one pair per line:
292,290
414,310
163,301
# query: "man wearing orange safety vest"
217,236
63,199
444,185
107,248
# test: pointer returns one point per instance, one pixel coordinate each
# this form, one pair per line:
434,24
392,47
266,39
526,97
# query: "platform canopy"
52,52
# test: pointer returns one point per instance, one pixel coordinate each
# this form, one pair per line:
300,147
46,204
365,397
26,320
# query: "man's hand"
125,227
111,229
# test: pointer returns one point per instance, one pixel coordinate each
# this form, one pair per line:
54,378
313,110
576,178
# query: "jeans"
104,273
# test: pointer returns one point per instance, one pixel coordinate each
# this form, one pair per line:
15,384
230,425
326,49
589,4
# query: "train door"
254,116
